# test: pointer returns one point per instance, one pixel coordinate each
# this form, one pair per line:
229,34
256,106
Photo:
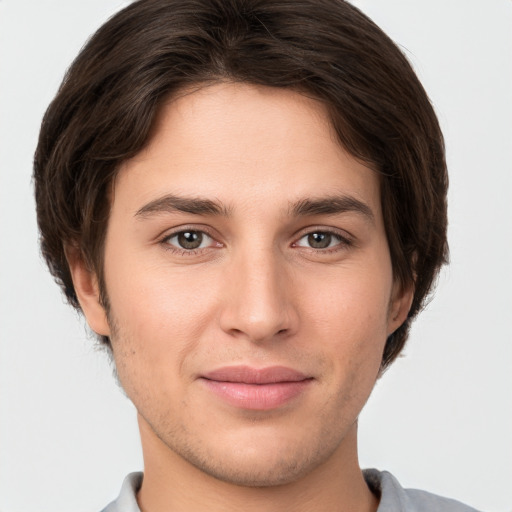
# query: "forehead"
241,143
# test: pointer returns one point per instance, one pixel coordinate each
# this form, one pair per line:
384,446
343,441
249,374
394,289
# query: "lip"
256,388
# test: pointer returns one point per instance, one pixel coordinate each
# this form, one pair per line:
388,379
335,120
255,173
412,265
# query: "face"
250,285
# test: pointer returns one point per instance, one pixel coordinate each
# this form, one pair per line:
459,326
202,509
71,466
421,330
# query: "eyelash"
343,241
181,251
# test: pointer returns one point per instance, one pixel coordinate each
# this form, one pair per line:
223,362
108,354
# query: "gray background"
441,418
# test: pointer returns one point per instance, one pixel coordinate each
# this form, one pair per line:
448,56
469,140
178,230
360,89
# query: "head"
167,87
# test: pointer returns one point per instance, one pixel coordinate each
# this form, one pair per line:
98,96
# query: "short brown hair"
106,107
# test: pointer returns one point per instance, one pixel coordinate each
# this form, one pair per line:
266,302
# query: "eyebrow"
172,203
331,205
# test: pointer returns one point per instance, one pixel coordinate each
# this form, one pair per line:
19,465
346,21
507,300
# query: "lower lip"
262,397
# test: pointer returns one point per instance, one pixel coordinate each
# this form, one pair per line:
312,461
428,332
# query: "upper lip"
250,375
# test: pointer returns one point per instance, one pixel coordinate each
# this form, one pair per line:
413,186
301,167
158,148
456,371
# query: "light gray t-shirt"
393,497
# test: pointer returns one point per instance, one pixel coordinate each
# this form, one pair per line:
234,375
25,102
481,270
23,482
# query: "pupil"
190,239
319,240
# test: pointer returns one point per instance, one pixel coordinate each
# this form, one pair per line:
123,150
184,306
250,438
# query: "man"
247,201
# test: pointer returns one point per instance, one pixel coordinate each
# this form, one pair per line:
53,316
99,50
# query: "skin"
256,292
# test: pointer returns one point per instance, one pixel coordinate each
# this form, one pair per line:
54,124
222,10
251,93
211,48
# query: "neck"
172,483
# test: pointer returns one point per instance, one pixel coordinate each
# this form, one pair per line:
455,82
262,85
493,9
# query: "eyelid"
184,228
205,230
174,235
345,240
341,233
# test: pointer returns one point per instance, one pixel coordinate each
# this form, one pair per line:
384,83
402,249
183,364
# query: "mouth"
256,389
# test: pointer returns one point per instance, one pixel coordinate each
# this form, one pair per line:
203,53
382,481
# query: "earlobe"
400,305
87,290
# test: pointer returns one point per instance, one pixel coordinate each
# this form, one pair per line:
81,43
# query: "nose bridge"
259,303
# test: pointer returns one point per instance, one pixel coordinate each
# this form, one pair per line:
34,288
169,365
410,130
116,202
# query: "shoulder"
394,498
127,499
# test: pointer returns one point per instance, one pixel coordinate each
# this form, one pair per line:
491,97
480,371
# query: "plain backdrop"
440,419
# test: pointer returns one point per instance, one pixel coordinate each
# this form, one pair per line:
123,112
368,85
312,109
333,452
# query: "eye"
189,240
321,240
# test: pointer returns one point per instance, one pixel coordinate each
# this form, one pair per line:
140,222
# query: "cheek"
352,306
348,321
163,318
154,300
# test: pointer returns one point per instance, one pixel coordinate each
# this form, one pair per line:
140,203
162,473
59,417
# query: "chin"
257,473
259,462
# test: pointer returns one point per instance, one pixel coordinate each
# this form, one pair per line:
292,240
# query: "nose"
258,300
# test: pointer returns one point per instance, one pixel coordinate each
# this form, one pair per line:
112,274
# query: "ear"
399,305
87,290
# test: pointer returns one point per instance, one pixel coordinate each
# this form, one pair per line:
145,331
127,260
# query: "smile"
256,389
